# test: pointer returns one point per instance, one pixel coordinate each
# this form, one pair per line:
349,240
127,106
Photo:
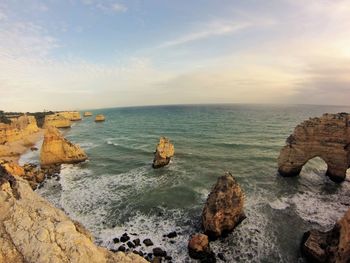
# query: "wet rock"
163,153
148,242
222,256
327,137
223,210
158,252
130,244
172,234
168,258
124,238
331,246
122,248
137,242
198,248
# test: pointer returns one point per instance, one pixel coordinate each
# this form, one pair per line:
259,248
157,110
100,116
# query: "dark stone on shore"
130,244
168,258
124,238
148,242
116,240
122,248
222,256
198,248
137,242
172,241
158,252
172,234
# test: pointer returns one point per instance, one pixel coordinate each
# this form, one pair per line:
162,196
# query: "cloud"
117,7
106,6
212,29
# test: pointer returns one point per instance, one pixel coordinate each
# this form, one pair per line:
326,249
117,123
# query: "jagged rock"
332,246
12,168
32,230
71,115
327,137
57,121
223,210
164,152
87,114
198,248
57,150
99,118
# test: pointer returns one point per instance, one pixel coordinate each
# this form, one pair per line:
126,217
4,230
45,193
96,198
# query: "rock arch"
327,137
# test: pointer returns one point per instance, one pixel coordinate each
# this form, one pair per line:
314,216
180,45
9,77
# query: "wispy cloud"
107,6
117,7
212,29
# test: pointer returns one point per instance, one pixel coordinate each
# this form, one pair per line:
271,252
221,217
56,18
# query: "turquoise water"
117,189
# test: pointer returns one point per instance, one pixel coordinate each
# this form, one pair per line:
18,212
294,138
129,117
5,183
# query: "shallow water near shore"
117,189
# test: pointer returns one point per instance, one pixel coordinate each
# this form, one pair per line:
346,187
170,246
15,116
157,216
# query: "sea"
118,191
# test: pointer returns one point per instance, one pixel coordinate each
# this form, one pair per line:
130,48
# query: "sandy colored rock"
332,246
12,168
164,151
100,117
33,231
223,210
198,248
87,114
57,121
71,115
57,150
327,137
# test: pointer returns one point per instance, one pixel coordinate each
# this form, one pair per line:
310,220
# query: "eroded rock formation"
223,210
57,121
100,117
332,246
71,115
164,152
87,114
327,137
32,230
57,150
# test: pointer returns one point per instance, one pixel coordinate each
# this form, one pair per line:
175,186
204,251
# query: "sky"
85,54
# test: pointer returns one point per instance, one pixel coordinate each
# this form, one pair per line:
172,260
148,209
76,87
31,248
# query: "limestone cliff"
32,230
56,149
57,121
223,210
100,117
332,246
327,137
71,115
18,129
164,151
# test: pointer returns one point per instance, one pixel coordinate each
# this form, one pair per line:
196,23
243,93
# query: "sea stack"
327,137
331,246
57,150
87,114
71,115
223,210
99,118
164,152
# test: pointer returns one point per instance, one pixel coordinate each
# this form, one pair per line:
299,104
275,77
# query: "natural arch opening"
314,167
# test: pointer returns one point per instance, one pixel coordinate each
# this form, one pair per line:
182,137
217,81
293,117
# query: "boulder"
223,210
99,118
327,137
32,230
198,248
331,246
57,150
57,121
87,114
164,152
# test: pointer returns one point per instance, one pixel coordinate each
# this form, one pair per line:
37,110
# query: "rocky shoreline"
32,230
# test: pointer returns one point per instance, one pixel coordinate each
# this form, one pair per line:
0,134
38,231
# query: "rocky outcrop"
57,121
71,115
57,150
198,248
32,230
18,129
87,114
327,137
99,118
332,246
223,210
164,152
